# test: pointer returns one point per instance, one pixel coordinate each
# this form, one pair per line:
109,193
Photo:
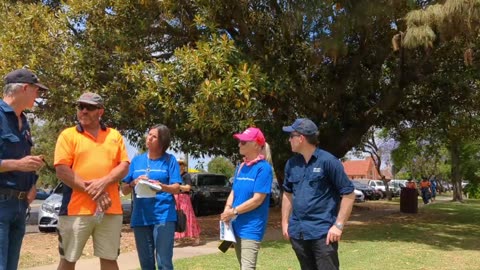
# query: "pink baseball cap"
251,134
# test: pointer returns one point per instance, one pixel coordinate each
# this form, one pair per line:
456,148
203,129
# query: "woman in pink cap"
248,203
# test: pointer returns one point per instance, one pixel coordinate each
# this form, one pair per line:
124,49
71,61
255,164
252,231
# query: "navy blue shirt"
316,188
14,144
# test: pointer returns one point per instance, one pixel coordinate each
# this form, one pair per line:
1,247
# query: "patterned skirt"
193,229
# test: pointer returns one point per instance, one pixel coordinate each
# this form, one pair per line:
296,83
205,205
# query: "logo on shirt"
317,170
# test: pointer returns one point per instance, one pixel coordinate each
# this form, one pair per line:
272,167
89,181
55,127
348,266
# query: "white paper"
226,232
150,184
145,189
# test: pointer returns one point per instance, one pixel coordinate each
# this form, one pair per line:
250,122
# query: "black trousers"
315,254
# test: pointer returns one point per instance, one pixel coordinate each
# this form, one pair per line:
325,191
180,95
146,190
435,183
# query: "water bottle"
99,214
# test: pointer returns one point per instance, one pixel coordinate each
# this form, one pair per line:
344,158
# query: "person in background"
317,200
90,159
192,232
433,188
153,218
17,165
425,188
247,205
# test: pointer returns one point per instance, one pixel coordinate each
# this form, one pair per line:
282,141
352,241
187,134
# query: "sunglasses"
89,107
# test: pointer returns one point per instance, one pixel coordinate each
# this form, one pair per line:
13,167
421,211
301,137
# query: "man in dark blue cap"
17,165
317,201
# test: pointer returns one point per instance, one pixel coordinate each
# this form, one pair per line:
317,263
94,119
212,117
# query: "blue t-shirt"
15,144
161,208
256,178
316,187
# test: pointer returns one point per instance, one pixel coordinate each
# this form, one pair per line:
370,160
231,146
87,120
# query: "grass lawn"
441,236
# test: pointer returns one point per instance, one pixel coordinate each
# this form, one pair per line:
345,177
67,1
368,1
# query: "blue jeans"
155,241
12,230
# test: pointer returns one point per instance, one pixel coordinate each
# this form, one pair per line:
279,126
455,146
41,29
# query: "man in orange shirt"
90,159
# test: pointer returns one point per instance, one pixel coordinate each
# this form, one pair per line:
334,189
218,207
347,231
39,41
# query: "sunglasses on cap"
89,107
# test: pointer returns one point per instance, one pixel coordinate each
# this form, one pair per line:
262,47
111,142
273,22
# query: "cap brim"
41,86
89,102
242,137
288,129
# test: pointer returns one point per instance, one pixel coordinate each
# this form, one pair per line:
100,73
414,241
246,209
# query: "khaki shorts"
74,231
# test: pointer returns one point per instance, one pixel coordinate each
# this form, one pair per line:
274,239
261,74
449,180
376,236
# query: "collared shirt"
91,158
15,144
316,187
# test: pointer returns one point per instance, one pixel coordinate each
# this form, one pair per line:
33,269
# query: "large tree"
208,69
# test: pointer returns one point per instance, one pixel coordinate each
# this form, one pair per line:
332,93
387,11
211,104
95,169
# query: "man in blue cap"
317,200
17,165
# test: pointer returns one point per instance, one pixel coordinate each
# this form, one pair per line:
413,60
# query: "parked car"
369,192
48,213
41,194
209,192
276,194
359,197
378,185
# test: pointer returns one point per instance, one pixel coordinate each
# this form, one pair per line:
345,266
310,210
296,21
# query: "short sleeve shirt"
256,178
316,189
90,158
161,208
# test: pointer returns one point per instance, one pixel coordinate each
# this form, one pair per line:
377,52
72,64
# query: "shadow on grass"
442,225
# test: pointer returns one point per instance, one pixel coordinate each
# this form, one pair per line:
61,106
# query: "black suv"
209,192
369,192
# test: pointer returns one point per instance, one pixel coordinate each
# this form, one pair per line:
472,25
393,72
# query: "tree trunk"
456,172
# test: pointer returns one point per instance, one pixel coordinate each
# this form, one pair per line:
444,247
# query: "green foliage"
221,165
44,138
472,190
208,69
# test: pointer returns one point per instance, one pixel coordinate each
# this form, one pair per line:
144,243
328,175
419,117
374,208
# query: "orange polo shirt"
91,158
425,184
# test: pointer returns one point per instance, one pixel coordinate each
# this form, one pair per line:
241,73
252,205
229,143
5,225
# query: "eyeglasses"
89,107
294,135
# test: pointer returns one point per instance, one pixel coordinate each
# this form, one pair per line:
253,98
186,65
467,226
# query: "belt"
13,193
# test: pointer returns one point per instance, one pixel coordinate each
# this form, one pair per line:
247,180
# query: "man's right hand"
30,163
285,232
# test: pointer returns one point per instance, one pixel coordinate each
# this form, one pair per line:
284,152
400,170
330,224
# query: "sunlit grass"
443,235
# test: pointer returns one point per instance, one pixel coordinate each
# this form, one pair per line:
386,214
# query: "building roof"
357,167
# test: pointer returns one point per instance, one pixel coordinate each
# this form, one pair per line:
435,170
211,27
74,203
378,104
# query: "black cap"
23,76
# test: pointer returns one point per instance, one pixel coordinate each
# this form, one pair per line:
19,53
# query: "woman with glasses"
248,203
153,215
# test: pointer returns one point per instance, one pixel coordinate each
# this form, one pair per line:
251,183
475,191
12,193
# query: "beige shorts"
74,231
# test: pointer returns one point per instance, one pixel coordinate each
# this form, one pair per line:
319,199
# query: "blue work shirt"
316,187
15,144
161,208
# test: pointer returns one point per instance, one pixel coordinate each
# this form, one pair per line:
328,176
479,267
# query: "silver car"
48,213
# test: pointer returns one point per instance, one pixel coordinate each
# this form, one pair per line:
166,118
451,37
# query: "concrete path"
129,260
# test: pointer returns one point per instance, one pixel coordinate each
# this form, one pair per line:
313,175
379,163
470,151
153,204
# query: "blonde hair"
267,153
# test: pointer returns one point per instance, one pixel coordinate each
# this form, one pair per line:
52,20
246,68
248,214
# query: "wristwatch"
235,212
338,225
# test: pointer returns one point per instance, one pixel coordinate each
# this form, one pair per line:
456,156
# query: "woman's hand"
135,182
227,215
